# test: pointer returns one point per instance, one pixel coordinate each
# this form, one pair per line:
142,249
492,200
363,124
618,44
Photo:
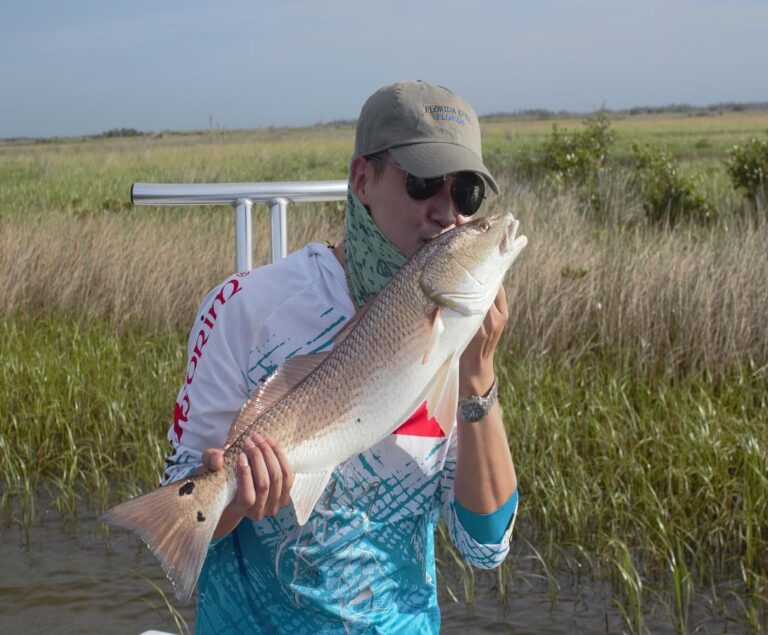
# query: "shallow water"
73,581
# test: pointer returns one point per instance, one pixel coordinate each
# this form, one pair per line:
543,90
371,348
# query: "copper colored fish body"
400,351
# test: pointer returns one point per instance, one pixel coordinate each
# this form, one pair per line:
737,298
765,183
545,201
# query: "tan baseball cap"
428,129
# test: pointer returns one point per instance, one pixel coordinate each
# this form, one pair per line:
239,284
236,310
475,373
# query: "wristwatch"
476,407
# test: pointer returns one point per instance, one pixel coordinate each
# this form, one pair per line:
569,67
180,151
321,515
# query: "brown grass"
692,298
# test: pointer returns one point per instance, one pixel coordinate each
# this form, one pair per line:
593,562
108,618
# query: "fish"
399,351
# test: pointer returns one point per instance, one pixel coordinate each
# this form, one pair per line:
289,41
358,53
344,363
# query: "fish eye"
483,225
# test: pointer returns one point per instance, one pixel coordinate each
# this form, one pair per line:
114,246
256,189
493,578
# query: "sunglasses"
467,188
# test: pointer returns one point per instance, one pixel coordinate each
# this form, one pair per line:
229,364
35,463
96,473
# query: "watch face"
472,411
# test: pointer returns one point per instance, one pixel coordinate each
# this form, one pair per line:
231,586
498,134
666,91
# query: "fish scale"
401,351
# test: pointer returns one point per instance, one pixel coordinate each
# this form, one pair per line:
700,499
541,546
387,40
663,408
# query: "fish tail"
176,522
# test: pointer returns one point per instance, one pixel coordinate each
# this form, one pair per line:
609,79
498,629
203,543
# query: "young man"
364,562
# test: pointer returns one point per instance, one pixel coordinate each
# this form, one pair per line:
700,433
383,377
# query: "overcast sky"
74,67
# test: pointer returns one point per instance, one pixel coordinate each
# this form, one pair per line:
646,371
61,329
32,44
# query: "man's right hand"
264,481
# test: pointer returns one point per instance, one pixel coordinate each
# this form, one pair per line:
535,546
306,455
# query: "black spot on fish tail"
200,517
186,489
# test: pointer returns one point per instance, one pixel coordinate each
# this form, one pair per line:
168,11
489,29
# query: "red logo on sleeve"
208,318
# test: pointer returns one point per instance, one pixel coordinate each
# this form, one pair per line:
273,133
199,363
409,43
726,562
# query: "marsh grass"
129,267
663,479
166,607
683,300
635,365
83,410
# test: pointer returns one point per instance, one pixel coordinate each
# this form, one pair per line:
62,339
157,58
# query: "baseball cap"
428,129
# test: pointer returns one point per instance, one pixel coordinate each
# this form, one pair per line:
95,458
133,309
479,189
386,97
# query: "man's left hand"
476,364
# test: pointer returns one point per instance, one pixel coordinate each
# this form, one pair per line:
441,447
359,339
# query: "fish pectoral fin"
306,491
436,331
443,397
274,388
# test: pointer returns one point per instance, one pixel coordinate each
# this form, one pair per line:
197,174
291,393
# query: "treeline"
711,109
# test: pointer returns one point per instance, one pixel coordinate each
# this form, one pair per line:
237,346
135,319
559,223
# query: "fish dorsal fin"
443,397
436,330
305,492
273,389
351,323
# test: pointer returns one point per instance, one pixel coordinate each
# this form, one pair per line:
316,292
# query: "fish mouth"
508,239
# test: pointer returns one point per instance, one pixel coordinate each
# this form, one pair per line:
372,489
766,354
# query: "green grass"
83,410
688,137
93,176
661,480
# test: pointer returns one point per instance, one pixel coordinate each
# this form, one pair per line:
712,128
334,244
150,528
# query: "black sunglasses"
467,189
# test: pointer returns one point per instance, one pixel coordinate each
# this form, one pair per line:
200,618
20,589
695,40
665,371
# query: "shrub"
575,158
747,166
667,195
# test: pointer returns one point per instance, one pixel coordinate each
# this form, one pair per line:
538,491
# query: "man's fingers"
264,479
259,477
501,301
213,459
286,472
275,476
245,495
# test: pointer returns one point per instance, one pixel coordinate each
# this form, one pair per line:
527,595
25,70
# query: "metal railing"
242,196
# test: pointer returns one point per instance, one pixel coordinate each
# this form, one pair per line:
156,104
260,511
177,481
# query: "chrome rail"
241,196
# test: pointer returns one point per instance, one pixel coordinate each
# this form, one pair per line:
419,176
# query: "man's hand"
264,481
476,363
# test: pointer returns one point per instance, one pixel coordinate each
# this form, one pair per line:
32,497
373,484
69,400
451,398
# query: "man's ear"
360,178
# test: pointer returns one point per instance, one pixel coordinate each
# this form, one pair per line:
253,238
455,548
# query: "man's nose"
442,208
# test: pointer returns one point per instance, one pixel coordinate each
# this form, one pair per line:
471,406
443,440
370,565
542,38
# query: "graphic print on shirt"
374,507
275,348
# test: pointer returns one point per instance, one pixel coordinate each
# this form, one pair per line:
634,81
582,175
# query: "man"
364,562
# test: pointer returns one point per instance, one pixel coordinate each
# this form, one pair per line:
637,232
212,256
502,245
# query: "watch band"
477,407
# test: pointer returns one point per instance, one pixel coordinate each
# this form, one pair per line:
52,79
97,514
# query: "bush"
667,195
575,158
748,168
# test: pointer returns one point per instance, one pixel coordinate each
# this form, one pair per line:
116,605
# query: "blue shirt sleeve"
487,528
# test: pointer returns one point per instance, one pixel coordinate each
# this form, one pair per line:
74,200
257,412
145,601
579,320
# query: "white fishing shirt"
365,561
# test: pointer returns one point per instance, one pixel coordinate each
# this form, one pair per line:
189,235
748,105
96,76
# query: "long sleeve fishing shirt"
365,560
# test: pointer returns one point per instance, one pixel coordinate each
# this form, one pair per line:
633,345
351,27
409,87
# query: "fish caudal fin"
177,522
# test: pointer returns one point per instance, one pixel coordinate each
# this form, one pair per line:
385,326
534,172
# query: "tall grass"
690,300
693,299
664,480
83,410
131,266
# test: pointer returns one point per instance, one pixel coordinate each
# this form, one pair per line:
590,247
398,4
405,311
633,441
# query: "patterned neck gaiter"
370,259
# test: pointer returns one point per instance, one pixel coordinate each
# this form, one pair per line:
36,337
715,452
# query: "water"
71,580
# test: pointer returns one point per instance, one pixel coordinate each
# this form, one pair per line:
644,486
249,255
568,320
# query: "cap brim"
435,159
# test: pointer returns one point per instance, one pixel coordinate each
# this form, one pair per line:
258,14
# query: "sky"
84,66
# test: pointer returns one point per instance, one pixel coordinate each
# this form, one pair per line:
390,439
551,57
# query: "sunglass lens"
420,188
468,192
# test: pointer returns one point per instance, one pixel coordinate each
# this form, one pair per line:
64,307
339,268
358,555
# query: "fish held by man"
400,351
